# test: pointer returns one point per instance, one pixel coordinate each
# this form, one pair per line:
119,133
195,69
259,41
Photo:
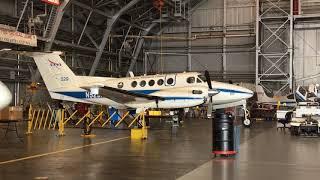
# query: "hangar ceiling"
104,36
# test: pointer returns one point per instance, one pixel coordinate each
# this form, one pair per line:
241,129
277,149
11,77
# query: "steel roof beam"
139,46
105,38
102,13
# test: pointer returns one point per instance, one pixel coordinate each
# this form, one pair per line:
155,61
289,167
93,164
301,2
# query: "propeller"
209,111
207,75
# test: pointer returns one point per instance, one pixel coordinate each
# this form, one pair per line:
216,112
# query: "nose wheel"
247,122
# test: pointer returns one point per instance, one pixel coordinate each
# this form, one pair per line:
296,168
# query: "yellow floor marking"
61,151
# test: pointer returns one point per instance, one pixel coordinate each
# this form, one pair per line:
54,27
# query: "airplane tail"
262,96
54,71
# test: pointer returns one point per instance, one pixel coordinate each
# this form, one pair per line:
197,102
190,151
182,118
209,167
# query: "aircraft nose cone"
6,96
248,93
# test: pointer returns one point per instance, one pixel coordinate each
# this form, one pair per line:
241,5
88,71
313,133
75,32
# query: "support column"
224,40
105,38
189,64
290,49
274,47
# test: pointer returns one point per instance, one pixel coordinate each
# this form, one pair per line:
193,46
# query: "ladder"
50,22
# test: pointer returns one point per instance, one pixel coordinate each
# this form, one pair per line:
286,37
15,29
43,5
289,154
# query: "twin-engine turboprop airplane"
5,96
166,91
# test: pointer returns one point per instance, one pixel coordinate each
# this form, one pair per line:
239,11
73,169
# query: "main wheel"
247,123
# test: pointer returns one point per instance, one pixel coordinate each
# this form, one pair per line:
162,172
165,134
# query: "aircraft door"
170,80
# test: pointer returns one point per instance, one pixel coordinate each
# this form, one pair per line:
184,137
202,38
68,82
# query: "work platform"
265,154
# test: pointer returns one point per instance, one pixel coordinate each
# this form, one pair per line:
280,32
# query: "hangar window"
120,85
160,82
143,83
170,81
151,82
134,84
190,80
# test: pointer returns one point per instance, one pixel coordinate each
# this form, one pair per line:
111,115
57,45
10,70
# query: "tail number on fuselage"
64,78
91,95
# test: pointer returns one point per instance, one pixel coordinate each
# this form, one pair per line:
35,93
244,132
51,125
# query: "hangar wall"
306,54
7,8
207,43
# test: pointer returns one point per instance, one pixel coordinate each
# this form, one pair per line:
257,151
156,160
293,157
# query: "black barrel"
222,135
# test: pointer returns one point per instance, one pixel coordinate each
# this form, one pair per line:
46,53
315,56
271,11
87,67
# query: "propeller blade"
207,75
209,111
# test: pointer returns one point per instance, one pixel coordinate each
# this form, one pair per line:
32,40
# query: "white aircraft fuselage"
5,96
178,94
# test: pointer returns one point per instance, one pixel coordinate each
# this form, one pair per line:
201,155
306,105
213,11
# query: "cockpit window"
199,80
190,80
170,81
202,77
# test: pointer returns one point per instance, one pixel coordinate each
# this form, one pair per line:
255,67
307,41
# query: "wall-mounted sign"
53,2
10,35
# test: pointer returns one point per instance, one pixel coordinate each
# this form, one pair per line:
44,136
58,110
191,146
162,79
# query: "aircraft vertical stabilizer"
54,71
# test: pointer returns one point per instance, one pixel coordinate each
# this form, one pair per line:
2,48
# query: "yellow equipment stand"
30,120
140,133
61,123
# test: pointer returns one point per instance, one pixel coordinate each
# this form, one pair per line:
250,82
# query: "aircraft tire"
247,123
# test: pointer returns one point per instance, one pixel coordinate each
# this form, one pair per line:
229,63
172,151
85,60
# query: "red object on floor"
224,152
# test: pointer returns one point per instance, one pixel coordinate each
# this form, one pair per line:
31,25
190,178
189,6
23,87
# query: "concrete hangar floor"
265,153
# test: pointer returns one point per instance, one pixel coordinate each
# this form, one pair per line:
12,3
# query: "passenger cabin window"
120,85
160,82
190,80
151,82
134,84
170,81
143,83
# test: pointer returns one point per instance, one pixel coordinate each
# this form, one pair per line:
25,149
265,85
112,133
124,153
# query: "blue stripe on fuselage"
87,95
79,94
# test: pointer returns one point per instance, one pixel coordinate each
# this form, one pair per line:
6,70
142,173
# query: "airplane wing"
123,96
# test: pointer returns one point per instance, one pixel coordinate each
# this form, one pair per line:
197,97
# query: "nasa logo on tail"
54,64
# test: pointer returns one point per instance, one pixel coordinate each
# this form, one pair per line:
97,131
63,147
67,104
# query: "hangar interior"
271,43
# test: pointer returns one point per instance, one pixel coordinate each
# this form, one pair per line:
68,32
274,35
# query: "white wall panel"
307,56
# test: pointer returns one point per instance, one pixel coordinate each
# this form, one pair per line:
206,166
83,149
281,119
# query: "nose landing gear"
246,121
